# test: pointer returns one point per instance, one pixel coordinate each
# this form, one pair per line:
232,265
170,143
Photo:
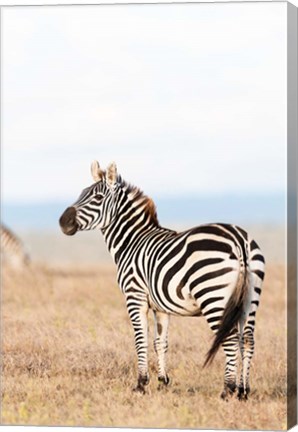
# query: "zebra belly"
187,307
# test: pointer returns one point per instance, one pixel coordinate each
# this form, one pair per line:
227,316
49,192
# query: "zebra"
13,252
214,270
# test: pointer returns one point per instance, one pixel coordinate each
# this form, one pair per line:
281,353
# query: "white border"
94,2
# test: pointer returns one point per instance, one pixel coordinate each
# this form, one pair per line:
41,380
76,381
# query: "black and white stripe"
13,251
213,270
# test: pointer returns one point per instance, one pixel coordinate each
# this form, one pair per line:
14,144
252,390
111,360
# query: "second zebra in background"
13,251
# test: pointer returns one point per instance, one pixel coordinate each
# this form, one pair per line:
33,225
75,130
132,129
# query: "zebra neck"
127,232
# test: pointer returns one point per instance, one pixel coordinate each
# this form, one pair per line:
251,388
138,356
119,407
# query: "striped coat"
215,271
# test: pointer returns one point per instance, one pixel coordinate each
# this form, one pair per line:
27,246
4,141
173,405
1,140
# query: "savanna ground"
69,358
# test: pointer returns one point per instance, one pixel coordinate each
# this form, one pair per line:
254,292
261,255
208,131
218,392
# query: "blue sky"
187,99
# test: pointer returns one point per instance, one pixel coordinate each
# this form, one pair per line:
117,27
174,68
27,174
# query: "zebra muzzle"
68,222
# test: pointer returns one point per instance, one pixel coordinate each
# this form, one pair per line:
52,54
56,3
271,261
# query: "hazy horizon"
180,210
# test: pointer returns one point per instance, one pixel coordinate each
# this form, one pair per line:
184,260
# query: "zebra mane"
138,194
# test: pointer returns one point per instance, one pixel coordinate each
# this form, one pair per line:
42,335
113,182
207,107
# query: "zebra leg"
138,311
231,347
247,324
247,350
161,321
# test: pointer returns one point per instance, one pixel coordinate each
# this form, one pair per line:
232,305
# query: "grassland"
69,359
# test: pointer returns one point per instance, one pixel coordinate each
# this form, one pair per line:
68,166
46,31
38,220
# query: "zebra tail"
232,313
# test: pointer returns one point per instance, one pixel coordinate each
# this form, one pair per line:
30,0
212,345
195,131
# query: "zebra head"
96,206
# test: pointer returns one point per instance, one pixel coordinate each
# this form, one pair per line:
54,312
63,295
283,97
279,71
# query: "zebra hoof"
226,395
228,391
139,389
142,382
243,394
163,382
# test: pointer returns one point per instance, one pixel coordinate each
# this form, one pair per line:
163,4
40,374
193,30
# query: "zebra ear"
111,175
96,172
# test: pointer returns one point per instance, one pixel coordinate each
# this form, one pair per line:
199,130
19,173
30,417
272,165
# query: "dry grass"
68,358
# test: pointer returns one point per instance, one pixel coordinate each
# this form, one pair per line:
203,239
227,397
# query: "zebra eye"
97,198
